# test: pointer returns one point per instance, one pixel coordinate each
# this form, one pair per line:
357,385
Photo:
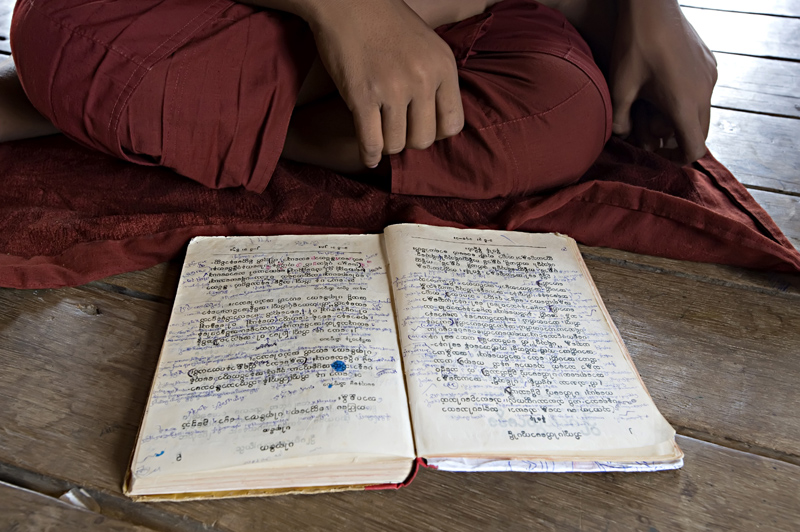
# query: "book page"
509,352
278,348
553,466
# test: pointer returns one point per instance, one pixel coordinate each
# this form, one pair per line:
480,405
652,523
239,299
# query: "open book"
309,363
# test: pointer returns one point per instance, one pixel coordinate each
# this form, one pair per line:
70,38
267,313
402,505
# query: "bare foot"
322,133
18,118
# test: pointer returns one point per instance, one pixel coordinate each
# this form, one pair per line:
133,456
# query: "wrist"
636,8
314,12
435,14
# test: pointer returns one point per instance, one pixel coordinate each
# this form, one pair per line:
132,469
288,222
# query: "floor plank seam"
736,445
779,290
740,12
112,505
762,113
136,294
773,190
758,56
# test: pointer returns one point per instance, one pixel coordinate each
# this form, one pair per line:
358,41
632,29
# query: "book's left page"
280,368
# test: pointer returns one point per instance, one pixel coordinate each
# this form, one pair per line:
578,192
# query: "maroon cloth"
207,88
211,83
69,215
536,108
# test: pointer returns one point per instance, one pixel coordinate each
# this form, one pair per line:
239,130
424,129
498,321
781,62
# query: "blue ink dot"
339,366
330,386
159,454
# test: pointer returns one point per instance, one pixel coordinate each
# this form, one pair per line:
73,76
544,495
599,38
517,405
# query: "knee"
28,31
557,143
537,132
537,109
58,66
524,134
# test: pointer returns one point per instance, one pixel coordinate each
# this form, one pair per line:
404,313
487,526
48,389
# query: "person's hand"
659,59
397,77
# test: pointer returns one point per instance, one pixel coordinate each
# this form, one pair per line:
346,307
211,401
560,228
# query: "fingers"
669,66
652,131
642,133
622,124
679,137
691,122
625,86
368,125
691,137
430,117
395,74
449,109
422,123
392,127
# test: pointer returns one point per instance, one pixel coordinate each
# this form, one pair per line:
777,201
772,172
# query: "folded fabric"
69,215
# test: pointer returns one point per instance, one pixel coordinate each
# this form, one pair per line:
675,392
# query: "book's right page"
511,359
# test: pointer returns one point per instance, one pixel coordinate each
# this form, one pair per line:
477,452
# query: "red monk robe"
207,88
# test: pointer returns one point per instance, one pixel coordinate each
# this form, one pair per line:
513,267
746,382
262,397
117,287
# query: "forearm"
433,12
308,10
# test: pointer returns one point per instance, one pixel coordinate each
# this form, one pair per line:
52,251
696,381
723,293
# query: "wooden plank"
785,8
78,364
717,360
718,488
79,368
109,504
785,210
21,510
757,84
770,283
742,33
761,151
158,283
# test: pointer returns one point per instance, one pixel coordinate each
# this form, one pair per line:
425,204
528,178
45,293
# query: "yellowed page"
278,348
509,352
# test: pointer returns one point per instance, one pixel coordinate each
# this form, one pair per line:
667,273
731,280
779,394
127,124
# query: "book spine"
419,462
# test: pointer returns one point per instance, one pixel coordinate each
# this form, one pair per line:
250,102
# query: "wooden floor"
718,347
